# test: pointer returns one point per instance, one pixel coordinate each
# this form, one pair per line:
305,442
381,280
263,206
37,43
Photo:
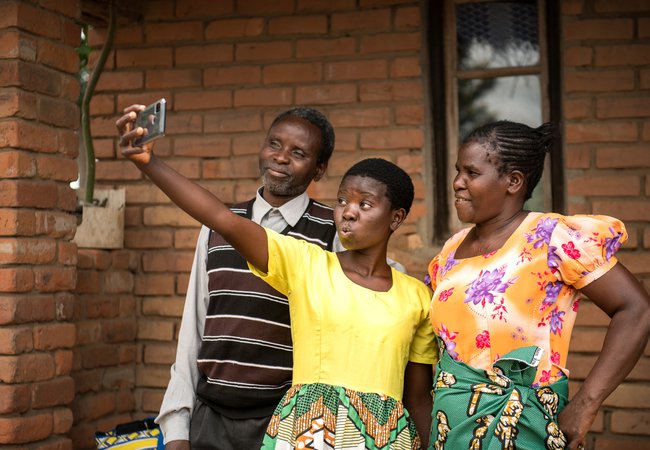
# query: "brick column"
38,147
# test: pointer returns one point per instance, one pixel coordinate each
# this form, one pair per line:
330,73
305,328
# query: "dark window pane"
497,34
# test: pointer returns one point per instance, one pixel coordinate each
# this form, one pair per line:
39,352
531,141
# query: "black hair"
518,147
317,119
399,187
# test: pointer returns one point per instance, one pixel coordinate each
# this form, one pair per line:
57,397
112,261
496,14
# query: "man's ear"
320,171
516,182
398,217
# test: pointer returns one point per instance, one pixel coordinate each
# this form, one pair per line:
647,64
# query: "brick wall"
38,147
606,75
101,325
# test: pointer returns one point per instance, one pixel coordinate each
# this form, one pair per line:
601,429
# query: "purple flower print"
427,280
552,292
612,244
488,283
449,264
556,321
552,259
448,337
542,232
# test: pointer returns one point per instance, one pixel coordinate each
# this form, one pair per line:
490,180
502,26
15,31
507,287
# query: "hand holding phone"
152,119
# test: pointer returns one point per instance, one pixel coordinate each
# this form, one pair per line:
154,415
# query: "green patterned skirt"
325,417
496,409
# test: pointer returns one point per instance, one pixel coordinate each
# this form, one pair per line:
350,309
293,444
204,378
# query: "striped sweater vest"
245,359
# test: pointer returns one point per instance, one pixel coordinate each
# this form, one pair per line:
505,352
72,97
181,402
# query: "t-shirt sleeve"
287,257
424,349
582,247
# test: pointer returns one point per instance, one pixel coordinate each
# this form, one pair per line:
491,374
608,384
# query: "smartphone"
152,119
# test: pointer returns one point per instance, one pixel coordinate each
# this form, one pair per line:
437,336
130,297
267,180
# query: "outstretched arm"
418,382
623,299
247,237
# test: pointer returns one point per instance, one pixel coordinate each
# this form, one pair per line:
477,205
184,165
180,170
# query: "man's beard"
284,187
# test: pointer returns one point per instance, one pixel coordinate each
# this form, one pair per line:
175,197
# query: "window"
491,60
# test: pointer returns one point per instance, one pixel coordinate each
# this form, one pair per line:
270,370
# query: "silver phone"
152,119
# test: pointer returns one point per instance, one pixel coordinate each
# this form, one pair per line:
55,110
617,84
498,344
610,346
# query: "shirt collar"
291,211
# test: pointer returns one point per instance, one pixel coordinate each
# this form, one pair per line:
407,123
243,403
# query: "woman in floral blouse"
507,292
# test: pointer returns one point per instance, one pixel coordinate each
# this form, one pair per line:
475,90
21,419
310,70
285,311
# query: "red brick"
147,239
116,170
232,122
27,251
579,108
627,422
599,81
189,168
155,330
167,261
621,6
320,6
14,44
234,28
263,7
202,146
319,48
37,20
24,429
26,368
644,27
99,356
626,210
609,29
87,282
57,392
67,253
292,73
328,94
240,75
154,285
203,8
185,239
119,330
172,33
152,377
167,215
61,420
93,406
622,107
16,164
182,281
390,43
405,68
148,57
151,400
587,339
16,279
55,224
173,78
87,381
395,138
622,157
159,354
377,19
356,70
14,398
15,340
391,91
578,56
54,336
605,185
203,100
17,103
204,54
27,193
580,365
245,167
263,97
636,262
262,51
591,315
63,362
620,443
163,306
407,18
52,279
110,81
578,133
629,395
118,282
22,309
622,55
302,24
125,260
360,117
409,115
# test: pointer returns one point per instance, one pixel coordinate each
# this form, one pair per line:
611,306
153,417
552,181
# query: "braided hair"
399,187
317,119
518,147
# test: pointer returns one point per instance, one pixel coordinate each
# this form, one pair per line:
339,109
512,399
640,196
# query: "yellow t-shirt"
344,334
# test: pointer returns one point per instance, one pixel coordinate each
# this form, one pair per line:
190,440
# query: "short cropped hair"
317,119
399,187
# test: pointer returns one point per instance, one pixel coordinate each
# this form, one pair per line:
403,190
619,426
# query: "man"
233,362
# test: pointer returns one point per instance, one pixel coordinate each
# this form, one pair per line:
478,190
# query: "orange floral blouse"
525,293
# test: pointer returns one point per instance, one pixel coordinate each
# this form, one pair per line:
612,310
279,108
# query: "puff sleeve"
581,248
432,272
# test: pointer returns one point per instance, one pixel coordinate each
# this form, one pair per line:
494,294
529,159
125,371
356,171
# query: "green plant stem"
85,104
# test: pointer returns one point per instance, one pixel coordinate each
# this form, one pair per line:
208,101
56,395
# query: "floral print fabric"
525,293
